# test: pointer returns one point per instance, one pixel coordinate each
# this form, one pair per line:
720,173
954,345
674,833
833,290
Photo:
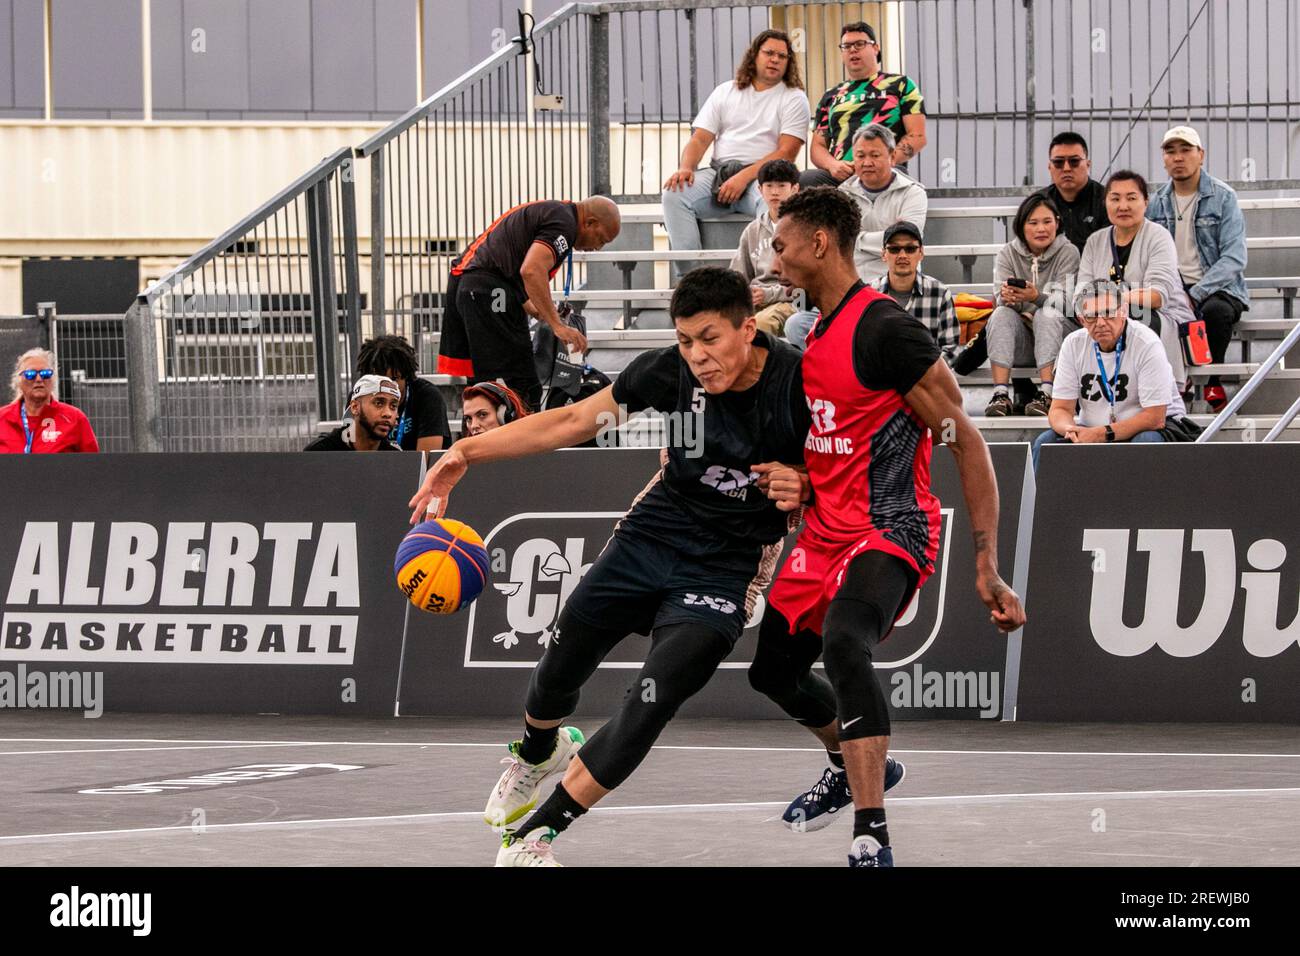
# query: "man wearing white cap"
1210,235
373,408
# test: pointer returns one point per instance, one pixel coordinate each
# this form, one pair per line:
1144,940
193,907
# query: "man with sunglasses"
925,297
1117,374
1080,199
869,96
35,422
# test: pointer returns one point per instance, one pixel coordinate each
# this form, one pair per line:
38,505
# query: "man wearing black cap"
868,96
374,413
924,296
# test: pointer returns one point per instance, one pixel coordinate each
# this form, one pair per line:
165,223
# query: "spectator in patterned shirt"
868,96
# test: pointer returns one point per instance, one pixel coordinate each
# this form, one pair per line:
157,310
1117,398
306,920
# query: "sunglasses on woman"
31,374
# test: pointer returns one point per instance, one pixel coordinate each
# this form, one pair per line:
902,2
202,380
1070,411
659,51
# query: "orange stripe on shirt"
459,268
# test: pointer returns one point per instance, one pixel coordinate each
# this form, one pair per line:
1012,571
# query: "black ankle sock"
557,812
538,744
836,758
871,822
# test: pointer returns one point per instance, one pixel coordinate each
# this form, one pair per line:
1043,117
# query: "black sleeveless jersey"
705,500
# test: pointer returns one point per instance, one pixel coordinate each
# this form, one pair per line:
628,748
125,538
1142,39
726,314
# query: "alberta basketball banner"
230,582
1165,585
248,583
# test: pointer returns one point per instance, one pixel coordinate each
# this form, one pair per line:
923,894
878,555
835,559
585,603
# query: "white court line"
218,743
478,815
136,750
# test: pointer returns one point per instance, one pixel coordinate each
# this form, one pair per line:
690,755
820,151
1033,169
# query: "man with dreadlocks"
422,416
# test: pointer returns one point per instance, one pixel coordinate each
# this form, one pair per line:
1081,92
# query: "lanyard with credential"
568,276
22,410
1108,387
1116,268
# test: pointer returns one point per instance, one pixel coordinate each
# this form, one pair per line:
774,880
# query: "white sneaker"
528,852
516,792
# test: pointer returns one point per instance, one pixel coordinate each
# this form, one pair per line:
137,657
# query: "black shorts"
638,584
492,315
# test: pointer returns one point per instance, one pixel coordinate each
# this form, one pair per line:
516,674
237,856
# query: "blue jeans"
1050,437
798,326
684,208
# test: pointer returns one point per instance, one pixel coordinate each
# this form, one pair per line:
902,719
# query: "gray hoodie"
903,198
1051,273
753,259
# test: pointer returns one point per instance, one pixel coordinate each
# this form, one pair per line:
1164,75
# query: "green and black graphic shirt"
884,98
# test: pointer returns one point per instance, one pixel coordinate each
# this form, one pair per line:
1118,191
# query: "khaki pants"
771,318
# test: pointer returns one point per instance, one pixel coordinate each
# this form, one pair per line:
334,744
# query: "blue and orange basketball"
441,566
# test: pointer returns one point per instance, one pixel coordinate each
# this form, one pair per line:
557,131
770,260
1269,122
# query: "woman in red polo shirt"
35,421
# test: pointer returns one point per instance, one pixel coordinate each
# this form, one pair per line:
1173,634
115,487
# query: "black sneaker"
817,807
1000,407
1040,405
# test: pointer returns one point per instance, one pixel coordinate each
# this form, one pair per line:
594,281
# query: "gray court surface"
976,794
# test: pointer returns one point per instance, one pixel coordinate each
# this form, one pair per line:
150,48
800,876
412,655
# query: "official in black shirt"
422,423
684,565
504,276
374,411
1080,199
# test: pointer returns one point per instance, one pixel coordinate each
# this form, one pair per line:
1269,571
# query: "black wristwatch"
1110,434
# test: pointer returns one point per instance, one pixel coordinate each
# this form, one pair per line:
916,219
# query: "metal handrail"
1253,383
318,173
466,80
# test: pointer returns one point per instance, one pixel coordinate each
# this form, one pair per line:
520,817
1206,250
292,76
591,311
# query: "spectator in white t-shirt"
1116,371
760,115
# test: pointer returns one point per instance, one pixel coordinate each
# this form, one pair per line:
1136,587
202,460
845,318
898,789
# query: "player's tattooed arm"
936,398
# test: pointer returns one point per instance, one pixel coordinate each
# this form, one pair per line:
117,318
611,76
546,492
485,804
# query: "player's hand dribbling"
431,500
1007,612
783,484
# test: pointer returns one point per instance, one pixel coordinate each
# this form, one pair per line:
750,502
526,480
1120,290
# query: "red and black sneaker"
1215,397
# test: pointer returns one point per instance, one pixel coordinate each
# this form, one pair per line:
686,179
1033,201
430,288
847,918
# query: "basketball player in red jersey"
878,389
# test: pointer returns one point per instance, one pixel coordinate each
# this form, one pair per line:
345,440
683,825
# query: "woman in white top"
1144,259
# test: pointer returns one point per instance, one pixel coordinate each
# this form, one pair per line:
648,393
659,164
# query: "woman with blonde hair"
37,422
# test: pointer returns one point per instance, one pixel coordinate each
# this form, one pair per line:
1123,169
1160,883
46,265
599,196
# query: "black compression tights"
682,658
875,588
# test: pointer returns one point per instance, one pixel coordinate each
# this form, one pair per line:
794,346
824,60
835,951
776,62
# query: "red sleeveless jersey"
868,453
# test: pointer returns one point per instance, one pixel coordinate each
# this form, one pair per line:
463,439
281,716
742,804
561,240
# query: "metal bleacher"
625,319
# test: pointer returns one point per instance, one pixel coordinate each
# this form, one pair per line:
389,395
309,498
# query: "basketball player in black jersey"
684,565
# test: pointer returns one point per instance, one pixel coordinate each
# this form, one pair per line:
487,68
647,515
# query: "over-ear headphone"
505,411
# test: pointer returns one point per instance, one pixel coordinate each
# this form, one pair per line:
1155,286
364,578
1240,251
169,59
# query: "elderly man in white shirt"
762,114
1115,371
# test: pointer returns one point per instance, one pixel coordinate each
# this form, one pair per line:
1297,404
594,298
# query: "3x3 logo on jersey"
820,438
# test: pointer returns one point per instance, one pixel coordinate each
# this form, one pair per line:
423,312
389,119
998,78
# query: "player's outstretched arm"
530,435
937,399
